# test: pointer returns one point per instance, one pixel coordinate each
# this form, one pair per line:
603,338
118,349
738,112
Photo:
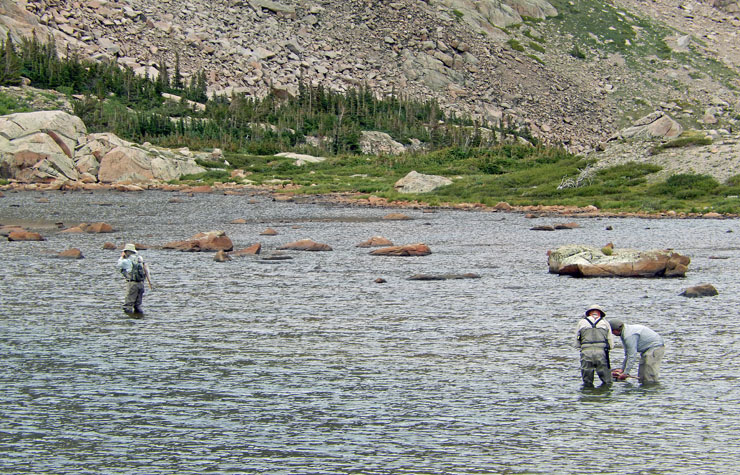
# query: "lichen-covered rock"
586,261
416,182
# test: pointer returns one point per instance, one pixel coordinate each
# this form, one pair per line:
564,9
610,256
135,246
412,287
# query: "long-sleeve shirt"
126,264
602,323
637,339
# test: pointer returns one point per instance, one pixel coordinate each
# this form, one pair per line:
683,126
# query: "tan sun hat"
129,247
595,307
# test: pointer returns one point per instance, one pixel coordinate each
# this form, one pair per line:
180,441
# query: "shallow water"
308,366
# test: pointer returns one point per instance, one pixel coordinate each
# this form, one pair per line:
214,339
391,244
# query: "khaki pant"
650,364
595,359
134,296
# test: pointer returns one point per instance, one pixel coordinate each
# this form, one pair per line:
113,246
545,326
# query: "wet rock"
703,290
418,249
98,228
586,261
305,245
380,280
212,241
72,253
252,250
375,241
25,236
221,256
567,226
443,276
542,227
6,230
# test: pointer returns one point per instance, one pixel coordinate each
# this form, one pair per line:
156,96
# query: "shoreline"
354,199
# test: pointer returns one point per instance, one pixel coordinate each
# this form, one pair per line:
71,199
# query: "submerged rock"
586,261
418,249
703,290
376,241
305,245
443,276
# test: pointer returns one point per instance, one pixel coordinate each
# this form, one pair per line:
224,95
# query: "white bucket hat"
130,247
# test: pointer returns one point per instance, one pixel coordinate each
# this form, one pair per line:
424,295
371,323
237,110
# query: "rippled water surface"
309,366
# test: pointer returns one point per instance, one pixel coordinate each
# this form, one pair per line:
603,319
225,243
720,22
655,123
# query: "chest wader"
595,337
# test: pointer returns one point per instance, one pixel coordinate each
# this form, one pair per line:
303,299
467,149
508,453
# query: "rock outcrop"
657,125
53,146
586,261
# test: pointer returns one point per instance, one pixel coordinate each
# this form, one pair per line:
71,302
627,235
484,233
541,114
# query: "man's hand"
623,376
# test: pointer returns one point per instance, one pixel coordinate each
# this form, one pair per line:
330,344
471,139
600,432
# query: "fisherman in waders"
639,339
134,270
594,339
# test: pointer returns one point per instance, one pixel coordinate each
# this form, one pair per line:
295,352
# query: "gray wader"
650,364
134,296
594,354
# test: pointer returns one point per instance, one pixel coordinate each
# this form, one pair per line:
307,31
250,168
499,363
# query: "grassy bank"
517,174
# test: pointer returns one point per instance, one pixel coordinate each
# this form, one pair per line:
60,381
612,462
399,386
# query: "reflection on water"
308,366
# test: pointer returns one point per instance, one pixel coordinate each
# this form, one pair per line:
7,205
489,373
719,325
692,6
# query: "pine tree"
177,77
10,65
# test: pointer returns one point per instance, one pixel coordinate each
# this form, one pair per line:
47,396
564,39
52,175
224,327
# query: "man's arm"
630,352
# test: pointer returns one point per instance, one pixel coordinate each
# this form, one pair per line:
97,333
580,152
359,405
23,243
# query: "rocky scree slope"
453,50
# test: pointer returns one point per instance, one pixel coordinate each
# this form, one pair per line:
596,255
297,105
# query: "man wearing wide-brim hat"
594,339
133,269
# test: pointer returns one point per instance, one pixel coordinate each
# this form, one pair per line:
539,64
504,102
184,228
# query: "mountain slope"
573,71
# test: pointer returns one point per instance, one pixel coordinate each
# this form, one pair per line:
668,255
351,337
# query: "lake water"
307,366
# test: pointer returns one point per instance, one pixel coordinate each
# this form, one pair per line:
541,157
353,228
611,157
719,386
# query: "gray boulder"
419,183
380,143
657,125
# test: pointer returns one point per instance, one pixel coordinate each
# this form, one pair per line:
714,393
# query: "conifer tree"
10,66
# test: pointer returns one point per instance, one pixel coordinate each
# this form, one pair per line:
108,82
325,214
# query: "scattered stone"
403,251
380,280
542,227
444,276
97,228
239,221
305,245
396,217
25,236
609,228
703,290
269,232
504,206
208,241
375,241
567,226
72,253
109,246
252,250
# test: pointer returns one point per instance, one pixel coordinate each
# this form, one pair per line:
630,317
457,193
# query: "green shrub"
458,14
686,186
577,53
686,139
536,47
515,45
